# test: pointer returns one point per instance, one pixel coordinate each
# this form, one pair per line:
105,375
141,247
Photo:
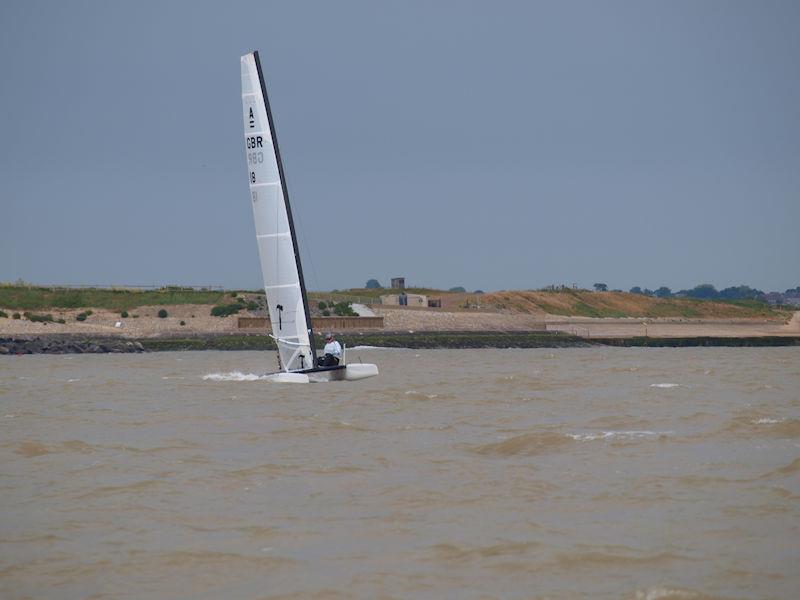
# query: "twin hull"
352,372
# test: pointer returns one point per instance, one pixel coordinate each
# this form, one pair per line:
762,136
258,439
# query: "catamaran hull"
352,372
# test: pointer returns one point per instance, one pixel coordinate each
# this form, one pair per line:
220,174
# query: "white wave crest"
665,385
767,421
416,393
375,348
659,593
233,376
610,435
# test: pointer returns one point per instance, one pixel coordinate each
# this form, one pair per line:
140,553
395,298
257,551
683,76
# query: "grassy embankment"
24,297
456,340
59,343
586,303
689,342
439,339
39,298
583,303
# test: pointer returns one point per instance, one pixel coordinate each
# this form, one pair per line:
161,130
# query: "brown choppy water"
575,473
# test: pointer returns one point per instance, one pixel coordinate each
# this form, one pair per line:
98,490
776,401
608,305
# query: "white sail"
280,263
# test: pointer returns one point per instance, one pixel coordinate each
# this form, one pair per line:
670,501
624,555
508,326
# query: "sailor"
333,352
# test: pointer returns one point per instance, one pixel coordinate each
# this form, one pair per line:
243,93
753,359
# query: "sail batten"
277,243
286,285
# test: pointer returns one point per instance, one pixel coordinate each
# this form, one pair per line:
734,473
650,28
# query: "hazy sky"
489,144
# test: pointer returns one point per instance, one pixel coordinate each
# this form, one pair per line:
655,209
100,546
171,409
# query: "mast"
274,135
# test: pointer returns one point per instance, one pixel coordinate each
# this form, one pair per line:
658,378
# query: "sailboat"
282,271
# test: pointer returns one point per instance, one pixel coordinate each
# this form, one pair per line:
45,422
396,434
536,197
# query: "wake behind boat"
281,268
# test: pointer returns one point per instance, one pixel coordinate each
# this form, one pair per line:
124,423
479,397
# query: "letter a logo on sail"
252,119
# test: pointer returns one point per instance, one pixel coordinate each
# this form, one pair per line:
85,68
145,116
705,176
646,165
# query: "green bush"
343,309
62,321
162,314
82,316
124,314
15,316
3,315
322,305
183,322
224,310
252,305
38,318
326,313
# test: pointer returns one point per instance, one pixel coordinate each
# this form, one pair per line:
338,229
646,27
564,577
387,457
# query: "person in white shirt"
333,352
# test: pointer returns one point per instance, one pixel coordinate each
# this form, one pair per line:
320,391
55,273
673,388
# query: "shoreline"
67,343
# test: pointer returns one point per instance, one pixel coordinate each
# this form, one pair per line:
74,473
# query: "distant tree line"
662,292
706,291
703,291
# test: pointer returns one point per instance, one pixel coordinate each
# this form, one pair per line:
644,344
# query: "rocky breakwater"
66,345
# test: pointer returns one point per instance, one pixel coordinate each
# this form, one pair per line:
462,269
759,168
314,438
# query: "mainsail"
277,244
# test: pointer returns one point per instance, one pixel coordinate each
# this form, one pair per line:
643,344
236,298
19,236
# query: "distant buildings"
788,298
403,299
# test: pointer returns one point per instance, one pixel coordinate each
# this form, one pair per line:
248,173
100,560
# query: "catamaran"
282,271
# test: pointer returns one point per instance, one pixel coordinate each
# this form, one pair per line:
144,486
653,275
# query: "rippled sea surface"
574,473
